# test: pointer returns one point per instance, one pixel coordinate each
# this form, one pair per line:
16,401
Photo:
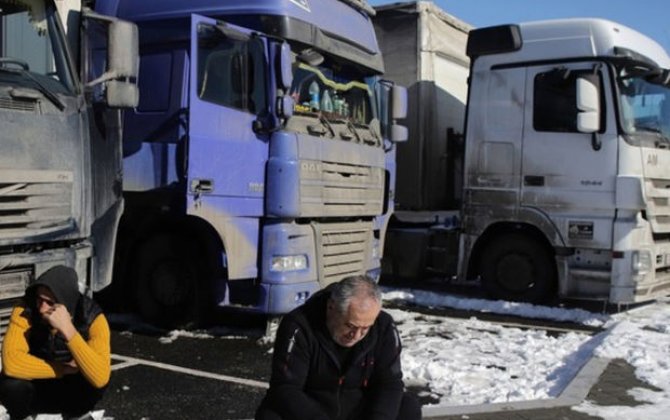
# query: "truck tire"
519,268
170,282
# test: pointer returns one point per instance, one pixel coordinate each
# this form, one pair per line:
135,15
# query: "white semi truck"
561,180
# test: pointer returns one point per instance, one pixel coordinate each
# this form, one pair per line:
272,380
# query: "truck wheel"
169,281
517,267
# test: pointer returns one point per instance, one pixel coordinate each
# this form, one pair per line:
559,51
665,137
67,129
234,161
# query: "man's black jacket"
309,383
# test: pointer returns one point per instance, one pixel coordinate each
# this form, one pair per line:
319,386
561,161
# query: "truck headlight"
288,263
641,262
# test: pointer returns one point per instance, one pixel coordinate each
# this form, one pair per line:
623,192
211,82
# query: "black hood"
63,283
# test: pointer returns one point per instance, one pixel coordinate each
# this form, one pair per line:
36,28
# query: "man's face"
350,327
44,300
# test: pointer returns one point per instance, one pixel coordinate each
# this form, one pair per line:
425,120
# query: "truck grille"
17,105
343,250
658,211
340,189
34,203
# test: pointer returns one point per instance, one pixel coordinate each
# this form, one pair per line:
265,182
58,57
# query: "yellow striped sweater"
92,356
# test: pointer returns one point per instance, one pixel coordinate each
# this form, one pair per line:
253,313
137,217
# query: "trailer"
424,49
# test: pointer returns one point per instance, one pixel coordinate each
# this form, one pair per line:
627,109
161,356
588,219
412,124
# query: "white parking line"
118,366
133,361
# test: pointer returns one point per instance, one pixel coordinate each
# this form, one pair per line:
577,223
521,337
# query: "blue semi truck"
61,95
259,164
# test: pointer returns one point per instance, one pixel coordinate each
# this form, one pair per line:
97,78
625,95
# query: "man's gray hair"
354,286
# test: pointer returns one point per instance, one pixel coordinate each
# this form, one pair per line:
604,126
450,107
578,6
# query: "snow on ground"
641,337
526,310
222,334
466,362
95,415
462,362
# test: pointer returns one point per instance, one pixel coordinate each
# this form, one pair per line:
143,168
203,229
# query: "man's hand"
70,368
59,318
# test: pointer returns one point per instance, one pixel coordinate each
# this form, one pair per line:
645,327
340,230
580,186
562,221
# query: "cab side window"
555,99
231,72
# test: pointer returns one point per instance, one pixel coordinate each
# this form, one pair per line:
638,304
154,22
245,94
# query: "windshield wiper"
40,86
655,130
377,141
322,128
352,128
648,129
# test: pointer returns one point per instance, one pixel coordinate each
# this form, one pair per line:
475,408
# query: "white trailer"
566,163
424,50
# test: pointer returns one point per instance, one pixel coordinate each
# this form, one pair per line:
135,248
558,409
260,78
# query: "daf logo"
310,167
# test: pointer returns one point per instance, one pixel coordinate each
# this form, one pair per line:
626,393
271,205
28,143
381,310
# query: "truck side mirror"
123,49
285,105
120,94
588,105
285,66
398,102
122,64
399,133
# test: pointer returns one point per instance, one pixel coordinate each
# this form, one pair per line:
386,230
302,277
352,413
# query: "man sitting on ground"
338,357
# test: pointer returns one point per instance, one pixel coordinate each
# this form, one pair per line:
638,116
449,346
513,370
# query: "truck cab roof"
330,25
574,38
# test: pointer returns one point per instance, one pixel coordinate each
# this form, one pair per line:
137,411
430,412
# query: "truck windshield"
645,108
340,100
32,49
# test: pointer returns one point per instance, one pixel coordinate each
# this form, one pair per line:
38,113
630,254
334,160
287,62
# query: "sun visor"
494,40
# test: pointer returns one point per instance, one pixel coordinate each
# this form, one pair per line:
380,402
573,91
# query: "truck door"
227,93
566,175
225,167
226,159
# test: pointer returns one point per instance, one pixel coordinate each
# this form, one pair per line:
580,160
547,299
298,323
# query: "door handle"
202,186
533,181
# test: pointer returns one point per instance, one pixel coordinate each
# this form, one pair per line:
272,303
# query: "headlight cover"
641,262
288,263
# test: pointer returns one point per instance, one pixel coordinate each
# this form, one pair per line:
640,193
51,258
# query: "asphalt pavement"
225,377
